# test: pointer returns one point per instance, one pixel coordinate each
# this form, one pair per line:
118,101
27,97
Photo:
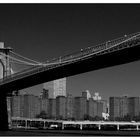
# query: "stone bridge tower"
5,67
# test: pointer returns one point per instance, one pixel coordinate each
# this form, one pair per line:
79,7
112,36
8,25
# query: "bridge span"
119,51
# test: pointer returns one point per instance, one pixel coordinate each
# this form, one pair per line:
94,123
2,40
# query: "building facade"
91,108
60,107
99,109
15,110
80,108
69,107
86,94
114,107
56,88
44,105
125,108
134,106
32,106
27,106
52,108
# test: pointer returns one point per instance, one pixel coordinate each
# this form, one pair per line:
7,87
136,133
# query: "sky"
45,31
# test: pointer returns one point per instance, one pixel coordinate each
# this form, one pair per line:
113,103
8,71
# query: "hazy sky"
46,31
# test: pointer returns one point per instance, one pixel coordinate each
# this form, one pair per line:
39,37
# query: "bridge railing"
70,57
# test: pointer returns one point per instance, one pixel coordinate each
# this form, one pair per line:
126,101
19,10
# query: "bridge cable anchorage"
25,57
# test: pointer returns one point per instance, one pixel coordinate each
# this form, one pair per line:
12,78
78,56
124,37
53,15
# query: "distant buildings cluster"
53,103
61,107
124,108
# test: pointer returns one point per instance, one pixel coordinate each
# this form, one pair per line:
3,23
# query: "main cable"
22,61
24,57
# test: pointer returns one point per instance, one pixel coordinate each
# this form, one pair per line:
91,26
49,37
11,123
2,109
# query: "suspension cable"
22,61
14,61
24,57
99,51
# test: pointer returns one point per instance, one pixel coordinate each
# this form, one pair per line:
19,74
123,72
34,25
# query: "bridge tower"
5,67
5,70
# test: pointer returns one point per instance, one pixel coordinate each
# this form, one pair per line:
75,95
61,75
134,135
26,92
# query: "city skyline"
68,28
31,106
60,107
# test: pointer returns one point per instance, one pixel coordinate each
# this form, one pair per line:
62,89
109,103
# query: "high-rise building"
22,105
114,110
80,108
9,111
60,107
105,107
99,108
69,107
44,105
31,106
86,94
27,106
52,108
124,107
91,108
15,106
56,88
134,106
44,102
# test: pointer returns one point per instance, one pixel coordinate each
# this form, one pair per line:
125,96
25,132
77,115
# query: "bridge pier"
3,112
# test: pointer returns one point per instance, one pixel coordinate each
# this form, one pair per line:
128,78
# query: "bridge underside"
91,64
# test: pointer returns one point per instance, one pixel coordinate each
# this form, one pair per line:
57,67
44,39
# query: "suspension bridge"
114,52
